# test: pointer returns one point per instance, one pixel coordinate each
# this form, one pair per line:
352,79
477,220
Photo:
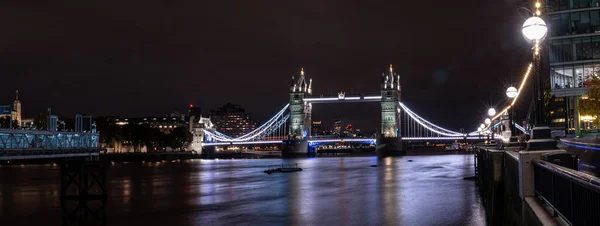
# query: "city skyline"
208,64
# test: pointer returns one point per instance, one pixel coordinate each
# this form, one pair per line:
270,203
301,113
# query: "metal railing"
573,195
46,140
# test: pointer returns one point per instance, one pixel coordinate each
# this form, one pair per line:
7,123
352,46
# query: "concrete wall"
506,186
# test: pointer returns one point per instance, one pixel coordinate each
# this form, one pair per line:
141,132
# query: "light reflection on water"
430,190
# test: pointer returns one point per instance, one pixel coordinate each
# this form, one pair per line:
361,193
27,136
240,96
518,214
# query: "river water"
412,190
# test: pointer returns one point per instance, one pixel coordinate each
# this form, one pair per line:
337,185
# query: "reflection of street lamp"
511,93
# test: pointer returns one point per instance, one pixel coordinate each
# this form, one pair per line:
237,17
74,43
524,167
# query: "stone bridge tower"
300,117
389,142
299,110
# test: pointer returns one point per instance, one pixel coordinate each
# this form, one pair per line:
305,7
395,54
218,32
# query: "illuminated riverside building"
317,128
337,127
574,56
163,124
16,111
232,120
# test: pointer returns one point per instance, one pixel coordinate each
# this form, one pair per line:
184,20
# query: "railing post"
571,199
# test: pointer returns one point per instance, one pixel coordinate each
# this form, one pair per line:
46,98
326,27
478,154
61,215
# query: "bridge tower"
389,142
300,118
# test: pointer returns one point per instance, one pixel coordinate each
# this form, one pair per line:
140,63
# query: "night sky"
148,57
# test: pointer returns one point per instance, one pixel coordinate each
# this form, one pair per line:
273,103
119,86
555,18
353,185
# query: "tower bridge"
290,126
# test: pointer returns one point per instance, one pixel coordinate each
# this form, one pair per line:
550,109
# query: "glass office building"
573,44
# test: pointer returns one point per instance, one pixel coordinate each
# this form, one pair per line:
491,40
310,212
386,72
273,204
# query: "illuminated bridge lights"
280,119
429,125
243,143
341,100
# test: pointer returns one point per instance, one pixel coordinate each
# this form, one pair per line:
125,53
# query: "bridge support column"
83,192
389,146
389,143
295,148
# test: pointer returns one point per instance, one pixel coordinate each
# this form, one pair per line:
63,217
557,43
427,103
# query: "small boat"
283,169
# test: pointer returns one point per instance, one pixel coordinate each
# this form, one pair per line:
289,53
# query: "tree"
41,121
180,137
590,103
5,122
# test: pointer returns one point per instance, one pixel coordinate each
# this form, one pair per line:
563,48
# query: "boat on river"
283,168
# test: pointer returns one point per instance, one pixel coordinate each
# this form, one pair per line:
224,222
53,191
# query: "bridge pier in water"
389,146
296,148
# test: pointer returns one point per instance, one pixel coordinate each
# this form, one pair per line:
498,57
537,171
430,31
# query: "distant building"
197,131
337,127
232,120
317,128
52,123
194,112
15,114
348,131
27,123
163,124
83,123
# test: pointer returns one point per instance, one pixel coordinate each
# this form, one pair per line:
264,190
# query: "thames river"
412,190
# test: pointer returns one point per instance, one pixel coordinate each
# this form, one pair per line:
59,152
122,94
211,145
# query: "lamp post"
511,93
491,112
534,30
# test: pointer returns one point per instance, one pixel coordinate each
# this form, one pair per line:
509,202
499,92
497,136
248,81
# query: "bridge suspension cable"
417,126
265,129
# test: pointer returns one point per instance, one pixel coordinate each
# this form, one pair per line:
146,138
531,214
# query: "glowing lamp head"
511,92
491,112
534,28
488,121
191,105
481,126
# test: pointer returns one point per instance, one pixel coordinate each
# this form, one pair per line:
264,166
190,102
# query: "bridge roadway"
33,144
337,140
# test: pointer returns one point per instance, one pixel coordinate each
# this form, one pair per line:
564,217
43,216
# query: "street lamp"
534,30
511,93
488,121
491,112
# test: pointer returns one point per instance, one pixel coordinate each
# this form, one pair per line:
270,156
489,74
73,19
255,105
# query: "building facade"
317,128
232,120
15,113
573,43
337,127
